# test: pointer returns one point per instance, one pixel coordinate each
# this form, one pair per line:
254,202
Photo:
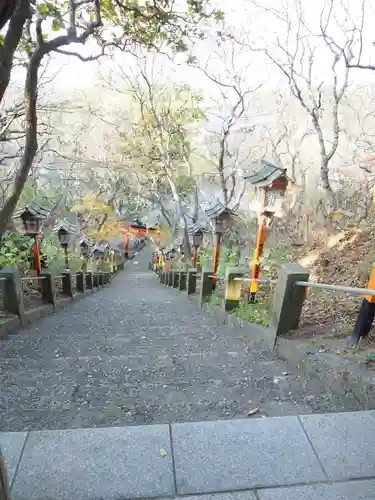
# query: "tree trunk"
12,39
31,144
324,177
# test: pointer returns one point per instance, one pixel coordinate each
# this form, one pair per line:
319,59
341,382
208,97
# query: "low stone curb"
340,375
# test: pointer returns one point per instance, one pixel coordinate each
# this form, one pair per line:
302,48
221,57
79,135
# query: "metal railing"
259,281
337,288
32,278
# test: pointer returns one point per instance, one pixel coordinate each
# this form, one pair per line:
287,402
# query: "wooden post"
255,271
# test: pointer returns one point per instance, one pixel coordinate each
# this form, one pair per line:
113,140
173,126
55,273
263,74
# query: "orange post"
255,271
215,264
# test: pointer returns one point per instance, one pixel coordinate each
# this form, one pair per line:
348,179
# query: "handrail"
31,278
254,280
339,288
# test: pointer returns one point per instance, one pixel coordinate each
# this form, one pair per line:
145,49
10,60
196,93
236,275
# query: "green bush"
15,251
257,313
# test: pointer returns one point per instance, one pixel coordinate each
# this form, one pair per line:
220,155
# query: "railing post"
13,299
182,281
206,286
170,277
67,288
89,280
233,287
288,300
48,288
80,282
191,281
176,278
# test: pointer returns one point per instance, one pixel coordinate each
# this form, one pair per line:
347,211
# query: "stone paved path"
140,353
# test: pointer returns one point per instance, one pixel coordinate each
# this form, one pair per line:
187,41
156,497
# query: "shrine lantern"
270,183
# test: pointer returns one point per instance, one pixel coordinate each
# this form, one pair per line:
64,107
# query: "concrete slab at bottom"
11,445
353,490
91,464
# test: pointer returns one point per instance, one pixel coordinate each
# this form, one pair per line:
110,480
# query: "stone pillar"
67,288
191,281
288,300
48,288
170,277
182,280
233,288
206,286
80,282
176,279
89,281
13,299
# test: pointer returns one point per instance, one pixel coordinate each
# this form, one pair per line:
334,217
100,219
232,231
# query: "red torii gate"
138,230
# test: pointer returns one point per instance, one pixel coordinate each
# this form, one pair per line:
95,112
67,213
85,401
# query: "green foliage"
15,250
229,256
51,248
158,144
257,313
274,255
215,301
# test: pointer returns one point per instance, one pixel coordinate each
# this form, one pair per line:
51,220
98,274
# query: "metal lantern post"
33,216
270,184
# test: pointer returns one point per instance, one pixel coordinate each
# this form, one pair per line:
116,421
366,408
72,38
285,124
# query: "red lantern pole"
36,254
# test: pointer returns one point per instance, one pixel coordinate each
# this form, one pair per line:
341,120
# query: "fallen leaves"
253,411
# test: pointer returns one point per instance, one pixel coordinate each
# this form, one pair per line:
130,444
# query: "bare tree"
228,126
319,91
346,27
